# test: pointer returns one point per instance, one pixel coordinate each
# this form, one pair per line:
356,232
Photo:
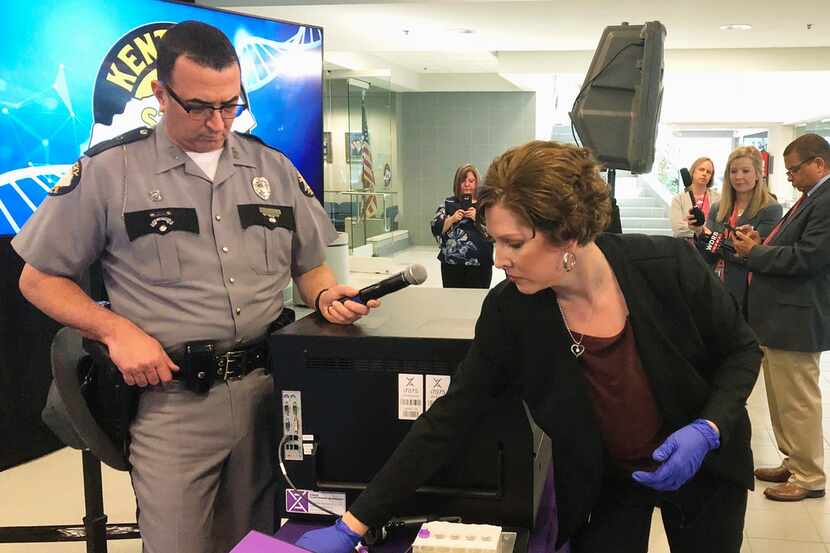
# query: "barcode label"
436,386
410,396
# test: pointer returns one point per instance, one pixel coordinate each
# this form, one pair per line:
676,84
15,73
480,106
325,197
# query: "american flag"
367,179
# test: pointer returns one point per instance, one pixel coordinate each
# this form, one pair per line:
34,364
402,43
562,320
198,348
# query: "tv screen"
73,74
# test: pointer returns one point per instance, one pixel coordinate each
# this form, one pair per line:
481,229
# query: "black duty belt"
226,366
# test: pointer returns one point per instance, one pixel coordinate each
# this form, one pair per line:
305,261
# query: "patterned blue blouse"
463,244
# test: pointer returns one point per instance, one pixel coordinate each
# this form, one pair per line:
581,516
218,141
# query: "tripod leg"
95,521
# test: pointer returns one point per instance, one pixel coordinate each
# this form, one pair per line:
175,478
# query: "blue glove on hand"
337,538
681,456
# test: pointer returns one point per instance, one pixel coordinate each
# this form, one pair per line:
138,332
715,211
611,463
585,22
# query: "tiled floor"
49,490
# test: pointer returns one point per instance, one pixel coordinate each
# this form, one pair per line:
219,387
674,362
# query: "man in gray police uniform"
198,231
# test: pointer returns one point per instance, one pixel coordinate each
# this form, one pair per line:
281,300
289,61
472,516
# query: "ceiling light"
736,27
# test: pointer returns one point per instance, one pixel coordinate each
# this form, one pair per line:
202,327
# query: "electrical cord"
284,470
389,526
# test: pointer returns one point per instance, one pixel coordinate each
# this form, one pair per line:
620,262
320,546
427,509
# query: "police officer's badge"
155,195
304,187
262,187
68,182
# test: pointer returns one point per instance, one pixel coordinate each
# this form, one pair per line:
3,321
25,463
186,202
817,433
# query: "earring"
568,261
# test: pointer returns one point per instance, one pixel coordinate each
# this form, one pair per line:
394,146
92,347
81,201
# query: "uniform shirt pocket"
154,239
267,231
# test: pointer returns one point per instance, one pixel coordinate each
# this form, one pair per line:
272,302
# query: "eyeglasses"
199,111
796,168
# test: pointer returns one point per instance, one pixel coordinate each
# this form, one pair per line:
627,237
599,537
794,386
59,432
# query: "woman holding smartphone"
745,202
466,256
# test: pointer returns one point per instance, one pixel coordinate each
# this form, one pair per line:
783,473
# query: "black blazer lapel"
557,375
663,364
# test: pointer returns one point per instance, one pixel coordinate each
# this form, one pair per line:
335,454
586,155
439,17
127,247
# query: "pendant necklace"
576,348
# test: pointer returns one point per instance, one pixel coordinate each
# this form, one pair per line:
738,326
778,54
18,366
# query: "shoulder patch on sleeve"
130,136
304,187
254,138
68,182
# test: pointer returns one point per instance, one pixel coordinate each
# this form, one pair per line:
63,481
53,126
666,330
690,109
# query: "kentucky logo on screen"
47,88
123,98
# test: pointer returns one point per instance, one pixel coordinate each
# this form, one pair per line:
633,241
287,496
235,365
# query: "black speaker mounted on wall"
617,110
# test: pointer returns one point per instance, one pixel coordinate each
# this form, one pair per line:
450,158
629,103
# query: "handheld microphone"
686,177
718,243
414,274
695,211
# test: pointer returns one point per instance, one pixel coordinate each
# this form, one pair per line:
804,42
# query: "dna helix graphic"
262,60
21,192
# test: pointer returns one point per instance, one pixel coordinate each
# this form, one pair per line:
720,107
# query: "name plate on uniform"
160,221
265,215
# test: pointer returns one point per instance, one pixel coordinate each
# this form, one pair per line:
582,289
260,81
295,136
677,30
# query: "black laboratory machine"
349,394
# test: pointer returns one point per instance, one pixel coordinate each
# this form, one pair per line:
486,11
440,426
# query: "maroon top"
629,421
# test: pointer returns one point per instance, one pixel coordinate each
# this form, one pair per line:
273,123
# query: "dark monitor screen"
352,394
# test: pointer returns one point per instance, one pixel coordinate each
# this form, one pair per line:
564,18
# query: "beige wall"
441,130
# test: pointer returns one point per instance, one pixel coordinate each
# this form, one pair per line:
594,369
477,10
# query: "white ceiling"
420,46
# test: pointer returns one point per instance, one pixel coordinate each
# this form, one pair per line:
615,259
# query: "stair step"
641,202
646,222
649,231
626,211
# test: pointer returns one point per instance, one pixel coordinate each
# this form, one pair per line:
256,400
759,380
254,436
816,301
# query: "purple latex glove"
337,538
681,456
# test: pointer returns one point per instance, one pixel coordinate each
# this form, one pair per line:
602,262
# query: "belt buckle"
226,359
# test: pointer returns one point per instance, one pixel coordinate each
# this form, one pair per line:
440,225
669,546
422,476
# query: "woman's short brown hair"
461,176
552,187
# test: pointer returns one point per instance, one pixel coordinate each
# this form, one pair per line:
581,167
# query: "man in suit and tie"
788,302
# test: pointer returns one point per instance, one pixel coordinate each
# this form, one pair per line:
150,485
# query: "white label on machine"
436,386
303,502
410,396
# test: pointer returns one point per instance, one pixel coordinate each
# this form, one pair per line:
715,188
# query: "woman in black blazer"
746,202
629,354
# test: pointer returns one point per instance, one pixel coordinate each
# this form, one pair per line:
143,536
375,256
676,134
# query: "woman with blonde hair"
745,202
628,353
702,175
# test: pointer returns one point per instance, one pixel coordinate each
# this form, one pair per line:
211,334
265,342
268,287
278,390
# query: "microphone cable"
284,470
